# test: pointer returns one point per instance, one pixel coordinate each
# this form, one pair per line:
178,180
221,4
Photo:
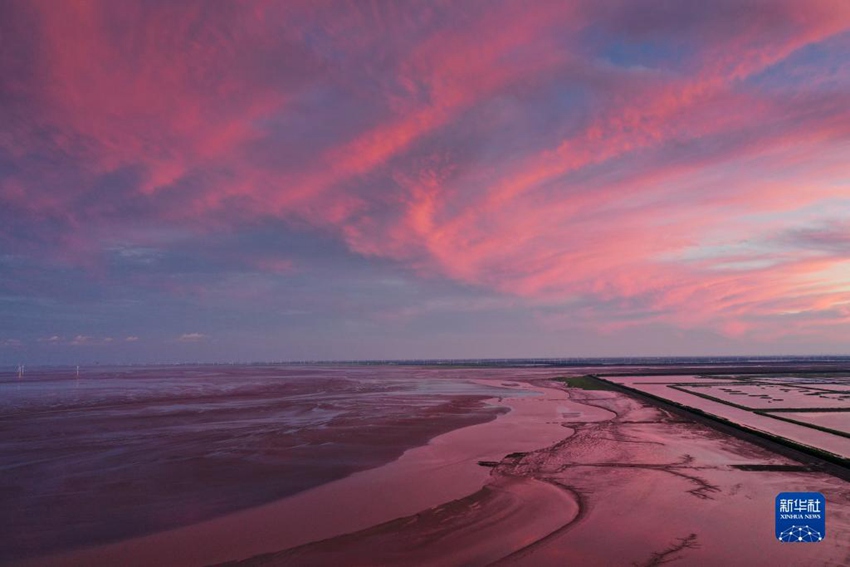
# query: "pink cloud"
603,211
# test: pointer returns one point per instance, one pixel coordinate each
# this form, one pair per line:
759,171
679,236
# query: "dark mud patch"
670,554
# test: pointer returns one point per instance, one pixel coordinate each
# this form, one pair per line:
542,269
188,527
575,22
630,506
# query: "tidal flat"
543,473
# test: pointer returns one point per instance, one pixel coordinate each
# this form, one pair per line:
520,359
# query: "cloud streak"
648,164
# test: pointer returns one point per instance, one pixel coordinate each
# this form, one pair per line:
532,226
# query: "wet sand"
506,515
126,452
583,477
444,470
651,489
656,488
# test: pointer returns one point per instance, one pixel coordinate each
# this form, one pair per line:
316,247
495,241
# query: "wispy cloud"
81,340
610,160
192,337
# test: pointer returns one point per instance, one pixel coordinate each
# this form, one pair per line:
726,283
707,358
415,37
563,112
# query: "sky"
261,181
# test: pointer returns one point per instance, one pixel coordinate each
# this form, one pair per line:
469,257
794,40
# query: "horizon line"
565,361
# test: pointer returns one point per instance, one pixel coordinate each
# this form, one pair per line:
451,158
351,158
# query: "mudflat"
571,476
649,489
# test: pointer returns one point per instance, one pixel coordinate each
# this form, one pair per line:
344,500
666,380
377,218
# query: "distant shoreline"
681,364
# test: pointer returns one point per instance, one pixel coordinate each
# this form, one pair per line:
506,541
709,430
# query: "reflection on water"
125,451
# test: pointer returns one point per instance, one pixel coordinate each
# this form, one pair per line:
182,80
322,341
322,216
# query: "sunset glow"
329,180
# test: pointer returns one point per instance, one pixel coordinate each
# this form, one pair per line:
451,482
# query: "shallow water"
119,452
